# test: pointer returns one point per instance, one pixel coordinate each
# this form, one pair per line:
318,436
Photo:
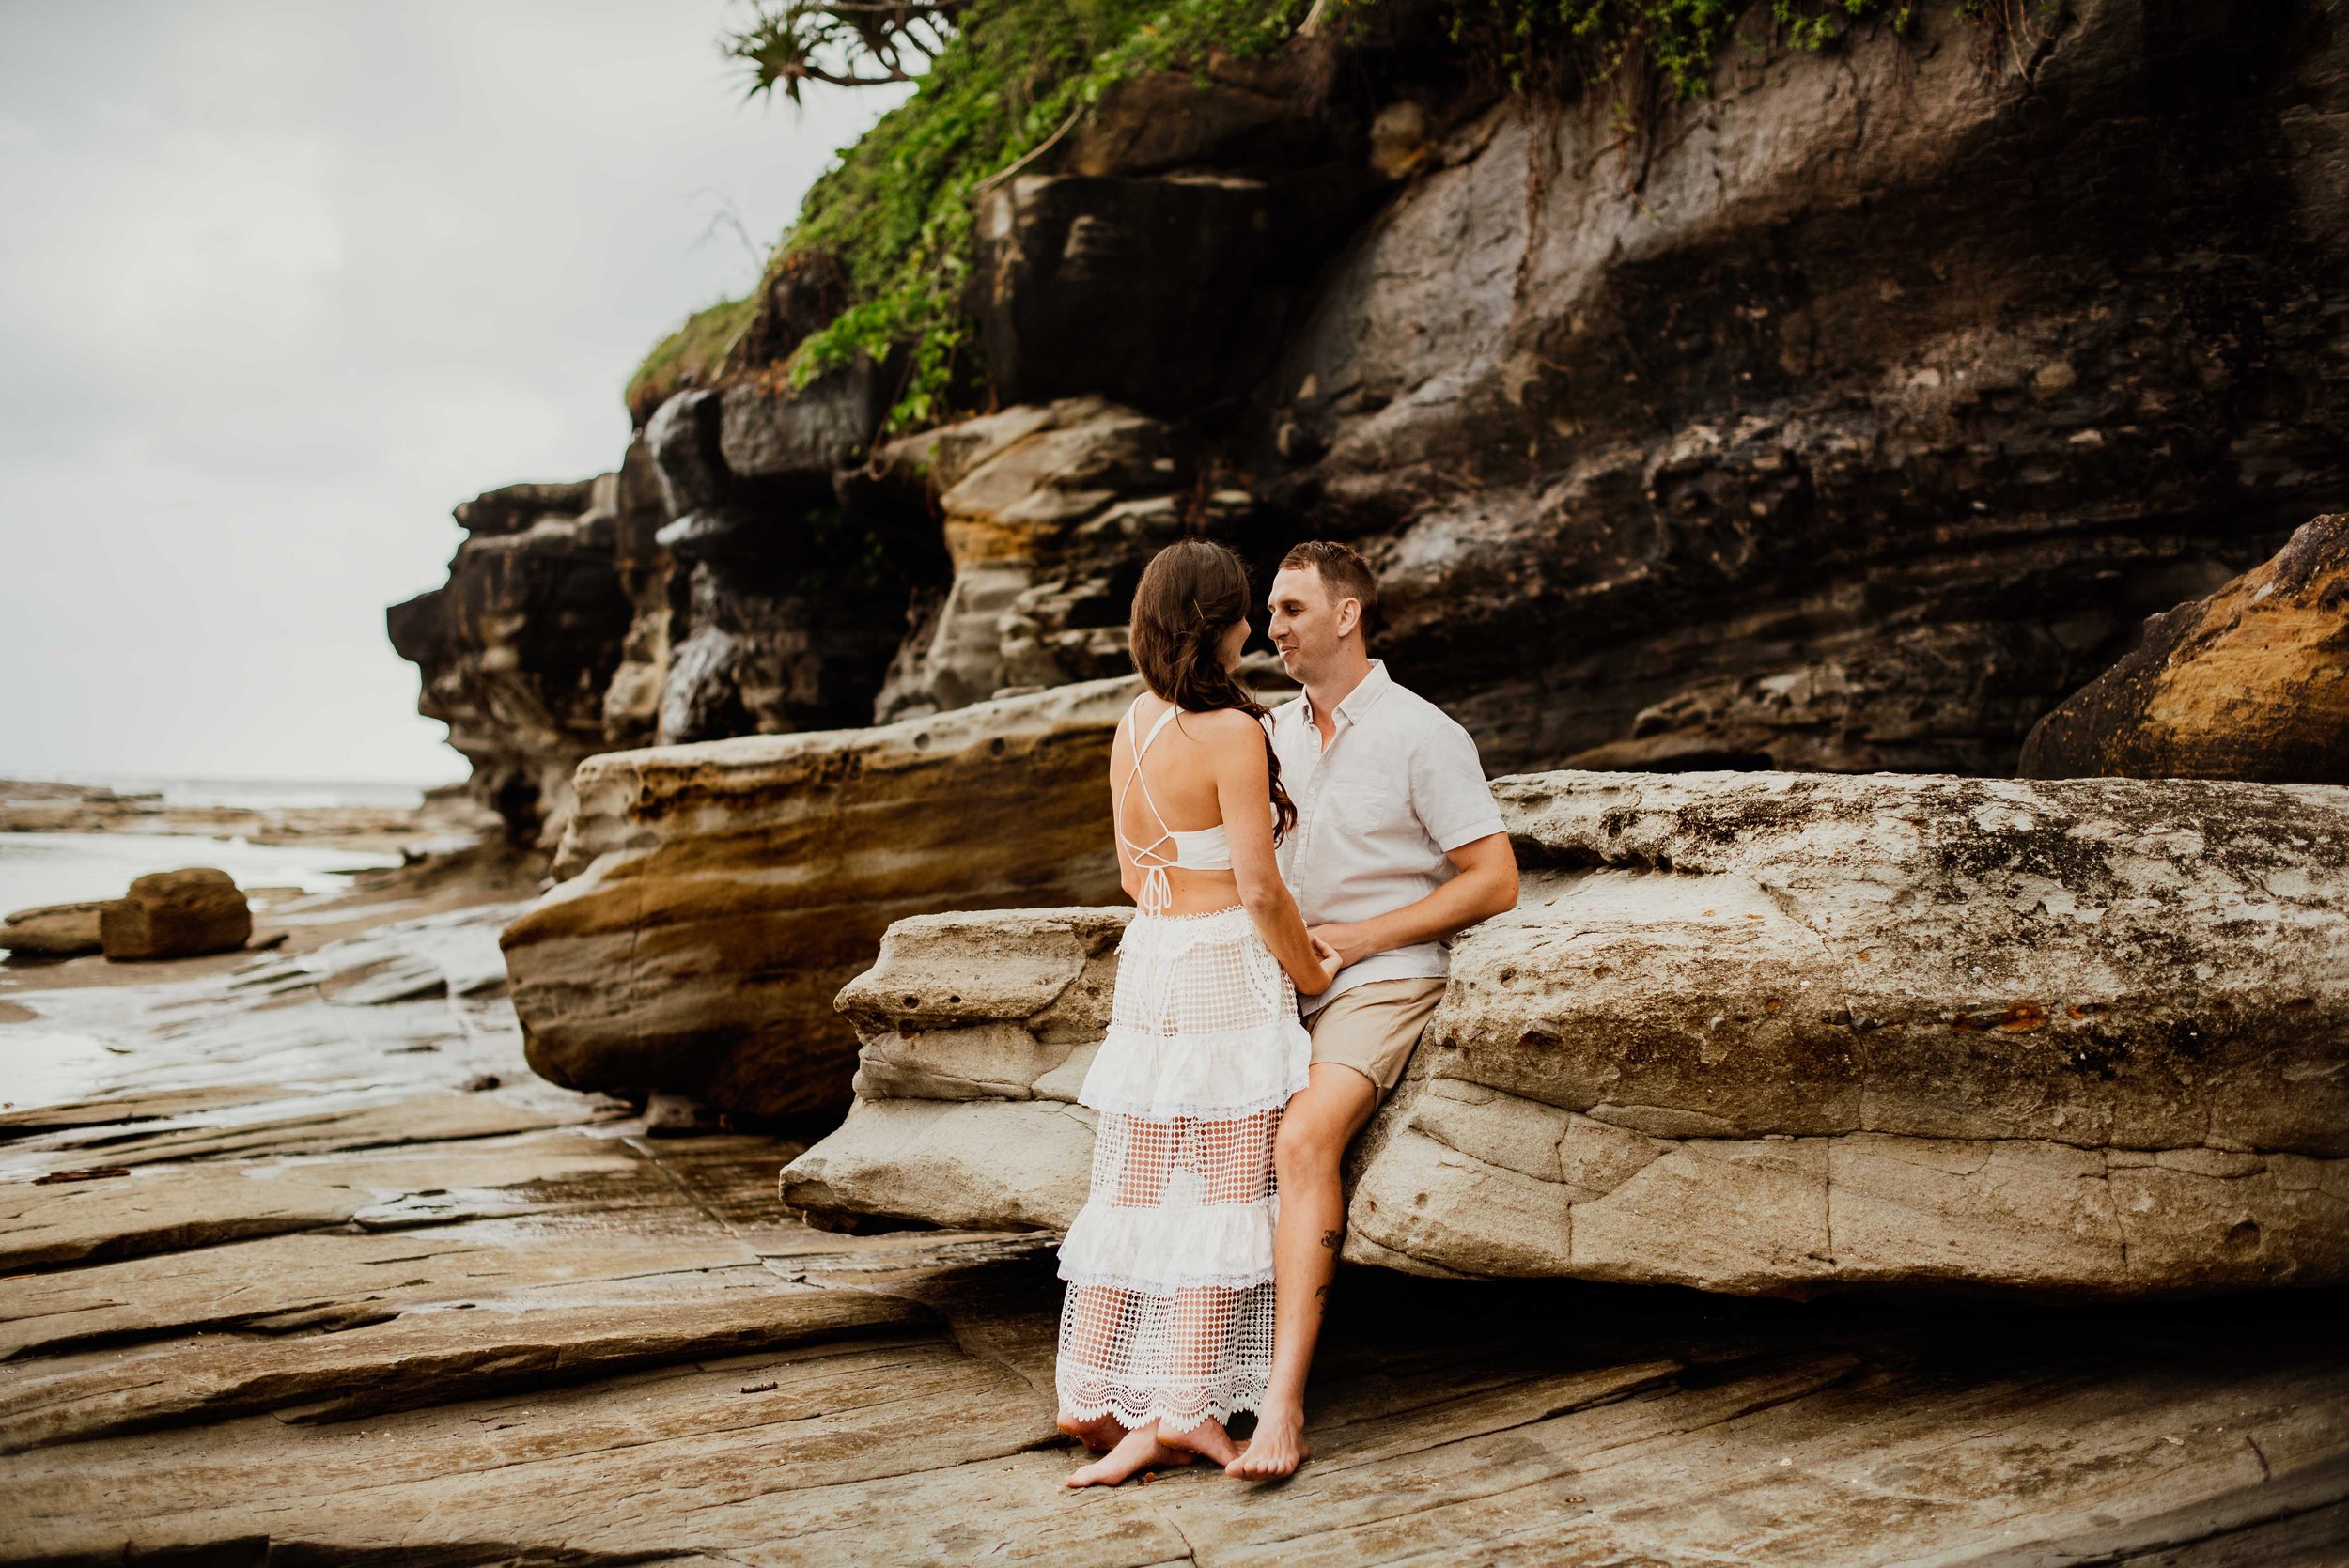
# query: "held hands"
1326,965
1339,938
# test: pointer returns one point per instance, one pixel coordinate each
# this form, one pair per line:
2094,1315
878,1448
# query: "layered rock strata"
2251,682
719,895
1759,1034
1847,417
788,605
1049,515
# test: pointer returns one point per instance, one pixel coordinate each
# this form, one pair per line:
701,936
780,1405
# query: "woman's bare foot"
1139,1449
1276,1450
1207,1439
1100,1434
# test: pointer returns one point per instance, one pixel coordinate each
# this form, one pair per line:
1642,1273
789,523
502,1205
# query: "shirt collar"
1365,693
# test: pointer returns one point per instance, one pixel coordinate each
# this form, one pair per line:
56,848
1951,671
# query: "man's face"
1307,625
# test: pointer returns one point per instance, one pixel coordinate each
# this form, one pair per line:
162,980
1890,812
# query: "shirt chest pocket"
1367,804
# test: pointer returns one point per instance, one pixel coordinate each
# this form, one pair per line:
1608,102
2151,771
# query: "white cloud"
279,285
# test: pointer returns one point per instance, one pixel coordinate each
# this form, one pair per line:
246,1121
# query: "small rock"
53,931
677,1116
176,914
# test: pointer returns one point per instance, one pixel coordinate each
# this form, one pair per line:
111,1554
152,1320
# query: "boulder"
717,895
176,914
768,430
682,438
2251,682
1049,515
53,931
1758,1034
518,649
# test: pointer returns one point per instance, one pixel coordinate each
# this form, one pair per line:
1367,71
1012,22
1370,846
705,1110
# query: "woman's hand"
1326,965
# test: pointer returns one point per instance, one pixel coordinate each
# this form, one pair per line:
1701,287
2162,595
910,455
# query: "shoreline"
444,817
451,852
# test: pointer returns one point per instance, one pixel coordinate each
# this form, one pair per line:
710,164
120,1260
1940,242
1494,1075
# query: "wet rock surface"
318,1307
1757,1034
2251,682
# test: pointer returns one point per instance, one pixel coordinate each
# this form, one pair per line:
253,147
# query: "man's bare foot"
1100,1434
1139,1449
1276,1450
1207,1439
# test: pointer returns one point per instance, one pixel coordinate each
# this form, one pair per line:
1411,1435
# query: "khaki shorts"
1374,1027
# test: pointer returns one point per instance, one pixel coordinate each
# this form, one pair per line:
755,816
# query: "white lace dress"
1168,1315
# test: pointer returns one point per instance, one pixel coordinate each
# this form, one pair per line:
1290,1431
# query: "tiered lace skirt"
1169,1263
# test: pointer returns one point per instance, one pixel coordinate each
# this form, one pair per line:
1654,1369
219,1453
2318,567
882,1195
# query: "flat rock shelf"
1759,1034
327,1276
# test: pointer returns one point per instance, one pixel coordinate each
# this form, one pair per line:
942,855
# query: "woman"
1167,1327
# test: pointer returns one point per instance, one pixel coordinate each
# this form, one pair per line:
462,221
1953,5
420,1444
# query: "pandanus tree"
847,43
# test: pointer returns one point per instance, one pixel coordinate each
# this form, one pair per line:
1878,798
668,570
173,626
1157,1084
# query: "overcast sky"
279,284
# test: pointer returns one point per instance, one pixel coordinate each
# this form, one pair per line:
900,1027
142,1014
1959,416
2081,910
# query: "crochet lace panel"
1169,1312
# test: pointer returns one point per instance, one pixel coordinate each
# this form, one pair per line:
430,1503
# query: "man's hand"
1342,938
1487,885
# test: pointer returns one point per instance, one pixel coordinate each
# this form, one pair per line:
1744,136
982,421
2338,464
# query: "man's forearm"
1458,903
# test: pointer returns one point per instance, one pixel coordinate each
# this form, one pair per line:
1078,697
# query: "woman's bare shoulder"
1225,728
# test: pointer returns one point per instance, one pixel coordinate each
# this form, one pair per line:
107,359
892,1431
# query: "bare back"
1176,791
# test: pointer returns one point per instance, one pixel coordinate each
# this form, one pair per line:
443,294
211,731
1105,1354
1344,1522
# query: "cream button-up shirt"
1399,788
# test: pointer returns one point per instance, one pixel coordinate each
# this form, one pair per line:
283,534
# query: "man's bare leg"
1319,1122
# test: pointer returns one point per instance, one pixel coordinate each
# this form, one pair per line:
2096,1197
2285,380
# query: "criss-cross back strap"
1158,894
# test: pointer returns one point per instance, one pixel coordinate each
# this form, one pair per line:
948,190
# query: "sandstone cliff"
1759,1034
1849,417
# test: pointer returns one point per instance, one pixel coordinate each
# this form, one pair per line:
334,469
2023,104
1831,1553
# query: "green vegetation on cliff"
896,209
689,356
895,213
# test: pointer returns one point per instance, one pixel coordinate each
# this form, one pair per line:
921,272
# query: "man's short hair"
1342,572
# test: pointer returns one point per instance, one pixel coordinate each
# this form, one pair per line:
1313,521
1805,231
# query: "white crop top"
1199,849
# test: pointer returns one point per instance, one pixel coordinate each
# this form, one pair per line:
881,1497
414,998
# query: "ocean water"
69,868
246,794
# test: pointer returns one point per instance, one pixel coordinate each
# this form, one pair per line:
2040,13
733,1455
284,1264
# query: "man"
1397,846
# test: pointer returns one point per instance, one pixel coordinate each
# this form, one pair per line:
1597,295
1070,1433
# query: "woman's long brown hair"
1189,594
